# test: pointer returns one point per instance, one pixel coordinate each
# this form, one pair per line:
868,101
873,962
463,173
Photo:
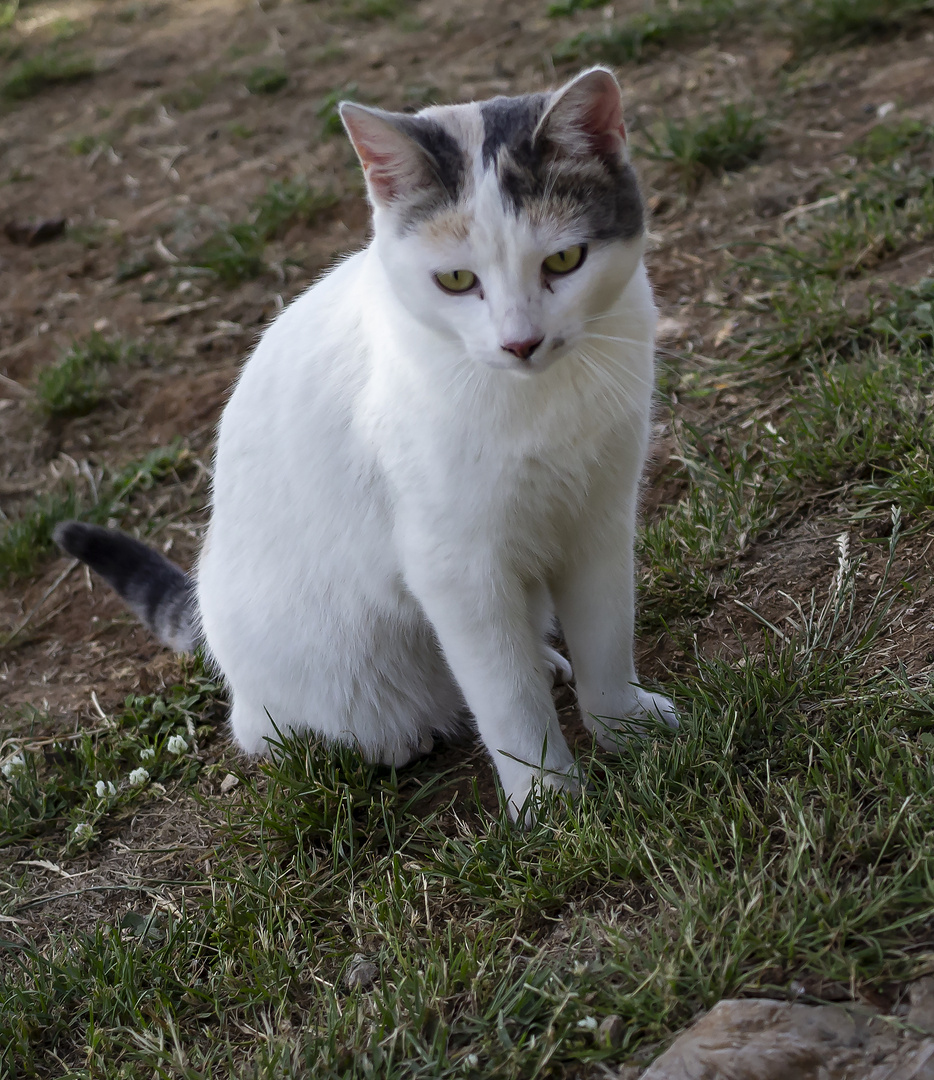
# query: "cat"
434,451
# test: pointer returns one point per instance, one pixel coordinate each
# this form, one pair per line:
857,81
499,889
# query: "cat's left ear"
585,117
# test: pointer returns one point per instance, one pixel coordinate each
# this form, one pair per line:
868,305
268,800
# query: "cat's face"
508,226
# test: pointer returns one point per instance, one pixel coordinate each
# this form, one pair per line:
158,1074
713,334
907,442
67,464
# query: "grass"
26,539
235,252
266,80
80,381
809,24
781,837
707,145
50,68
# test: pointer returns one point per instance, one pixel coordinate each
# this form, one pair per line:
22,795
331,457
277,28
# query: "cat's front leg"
483,625
595,601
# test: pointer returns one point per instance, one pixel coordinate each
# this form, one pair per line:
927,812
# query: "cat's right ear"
394,165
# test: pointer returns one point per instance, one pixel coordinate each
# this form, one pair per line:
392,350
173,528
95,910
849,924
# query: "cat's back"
308,358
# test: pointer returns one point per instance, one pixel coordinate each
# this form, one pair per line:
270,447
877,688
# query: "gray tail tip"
72,537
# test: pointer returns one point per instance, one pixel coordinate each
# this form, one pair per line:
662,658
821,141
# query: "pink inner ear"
603,120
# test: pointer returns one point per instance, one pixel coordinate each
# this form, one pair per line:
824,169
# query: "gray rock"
777,1040
361,973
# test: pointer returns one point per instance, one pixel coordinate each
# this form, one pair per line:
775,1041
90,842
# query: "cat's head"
507,225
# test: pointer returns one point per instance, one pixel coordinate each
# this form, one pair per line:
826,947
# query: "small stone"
611,1032
921,1013
229,783
361,974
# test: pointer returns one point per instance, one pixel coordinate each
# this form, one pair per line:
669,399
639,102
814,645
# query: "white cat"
434,451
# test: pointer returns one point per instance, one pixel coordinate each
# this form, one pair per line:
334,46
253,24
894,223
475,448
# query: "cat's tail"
160,593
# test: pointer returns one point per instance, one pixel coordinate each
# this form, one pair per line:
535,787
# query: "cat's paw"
645,712
525,799
559,667
397,757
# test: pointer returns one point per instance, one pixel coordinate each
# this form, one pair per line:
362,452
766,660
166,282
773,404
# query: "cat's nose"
522,349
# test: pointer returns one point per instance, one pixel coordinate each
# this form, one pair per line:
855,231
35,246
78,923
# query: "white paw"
398,757
524,800
645,712
560,668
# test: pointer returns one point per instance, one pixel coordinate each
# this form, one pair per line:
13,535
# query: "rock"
229,783
361,973
610,1032
921,996
777,1040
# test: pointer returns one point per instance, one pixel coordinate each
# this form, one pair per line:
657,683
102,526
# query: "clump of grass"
665,24
266,80
77,789
819,23
369,10
235,252
328,112
724,142
286,201
885,142
79,382
26,540
50,68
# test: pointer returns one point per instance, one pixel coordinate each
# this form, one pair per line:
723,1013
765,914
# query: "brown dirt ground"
182,145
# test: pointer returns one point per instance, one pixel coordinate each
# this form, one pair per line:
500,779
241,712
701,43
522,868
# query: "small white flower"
147,754
471,1061
138,777
83,832
589,1023
13,767
102,790
176,745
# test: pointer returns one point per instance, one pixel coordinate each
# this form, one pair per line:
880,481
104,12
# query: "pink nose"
522,349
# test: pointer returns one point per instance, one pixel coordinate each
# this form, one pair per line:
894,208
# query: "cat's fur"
409,485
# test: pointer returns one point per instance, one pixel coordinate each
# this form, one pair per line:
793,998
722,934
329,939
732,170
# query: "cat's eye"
456,281
563,262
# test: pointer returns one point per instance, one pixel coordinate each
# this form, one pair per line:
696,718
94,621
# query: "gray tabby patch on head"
542,171
558,156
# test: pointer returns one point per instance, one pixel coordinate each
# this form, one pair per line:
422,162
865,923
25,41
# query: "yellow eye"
563,262
456,280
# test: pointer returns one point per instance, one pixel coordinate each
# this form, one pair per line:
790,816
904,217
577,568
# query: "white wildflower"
176,745
13,767
138,777
147,754
83,832
589,1023
471,1061
102,790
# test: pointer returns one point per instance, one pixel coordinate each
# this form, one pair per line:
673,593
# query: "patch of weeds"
184,98
240,131
266,80
8,10
50,68
287,201
328,111
665,24
27,539
235,252
885,142
68,792
79,382
838,23
81,145
727,141
376,9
